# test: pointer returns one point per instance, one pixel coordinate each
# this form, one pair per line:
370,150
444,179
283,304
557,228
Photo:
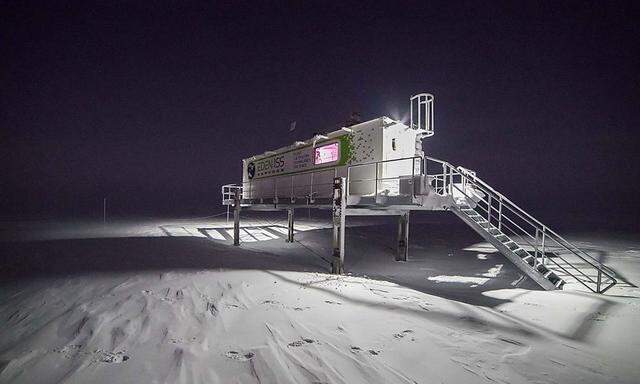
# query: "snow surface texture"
175,302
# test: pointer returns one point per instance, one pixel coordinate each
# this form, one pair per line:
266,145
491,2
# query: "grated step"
522,253
543,269
552,277
512,246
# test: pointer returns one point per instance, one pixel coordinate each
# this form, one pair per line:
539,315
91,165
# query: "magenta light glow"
327,154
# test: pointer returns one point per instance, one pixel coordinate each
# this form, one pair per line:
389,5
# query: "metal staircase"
515,252
546,257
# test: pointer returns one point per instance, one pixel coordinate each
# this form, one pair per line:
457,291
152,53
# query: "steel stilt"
403,237
290,225
339,216
236,217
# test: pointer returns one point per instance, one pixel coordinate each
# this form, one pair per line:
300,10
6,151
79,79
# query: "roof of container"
322,137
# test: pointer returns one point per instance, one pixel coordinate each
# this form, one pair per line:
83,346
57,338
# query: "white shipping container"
305,170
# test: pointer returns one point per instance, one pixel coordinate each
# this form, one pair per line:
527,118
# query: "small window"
393,144
327,154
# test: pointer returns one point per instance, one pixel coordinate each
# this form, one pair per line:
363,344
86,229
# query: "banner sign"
327,154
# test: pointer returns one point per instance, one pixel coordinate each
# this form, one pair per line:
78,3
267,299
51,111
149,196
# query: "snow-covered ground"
172,301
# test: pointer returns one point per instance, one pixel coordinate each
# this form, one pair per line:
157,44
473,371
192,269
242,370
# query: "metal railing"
547,246
374,182
229,192
377,180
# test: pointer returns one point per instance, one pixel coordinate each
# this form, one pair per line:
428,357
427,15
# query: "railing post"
444,180
535,250
463,180
236,216
311,200
413,178
489,210
500,213
376,185
451,181
543,250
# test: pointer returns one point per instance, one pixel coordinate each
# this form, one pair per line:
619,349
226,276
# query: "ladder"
542,254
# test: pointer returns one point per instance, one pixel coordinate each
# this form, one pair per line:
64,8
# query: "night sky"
154,106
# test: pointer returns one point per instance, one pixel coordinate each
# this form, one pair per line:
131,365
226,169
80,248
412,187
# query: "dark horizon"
154,106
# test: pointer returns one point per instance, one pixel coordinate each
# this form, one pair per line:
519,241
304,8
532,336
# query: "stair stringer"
503,249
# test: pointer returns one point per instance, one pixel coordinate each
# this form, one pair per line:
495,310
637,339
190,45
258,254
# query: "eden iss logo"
251,170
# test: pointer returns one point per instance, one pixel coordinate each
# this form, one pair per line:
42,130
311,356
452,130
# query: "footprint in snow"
97,356
374,352
112,357
212,309
301,342
333,302
402,334
70,351
180,340
240,356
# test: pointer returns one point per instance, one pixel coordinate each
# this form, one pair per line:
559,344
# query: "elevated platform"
546,257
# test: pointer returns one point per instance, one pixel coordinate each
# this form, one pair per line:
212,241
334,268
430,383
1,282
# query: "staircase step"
502,238
543,269
538,272
552,277
512,246
522,253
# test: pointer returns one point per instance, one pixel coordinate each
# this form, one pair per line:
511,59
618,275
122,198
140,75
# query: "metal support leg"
339,215
290,222
403,237
236,217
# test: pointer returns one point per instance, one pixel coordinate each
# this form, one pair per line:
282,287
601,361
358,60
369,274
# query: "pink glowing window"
327,154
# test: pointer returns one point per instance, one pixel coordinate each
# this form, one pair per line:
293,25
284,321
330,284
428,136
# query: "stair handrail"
467,174
542,226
